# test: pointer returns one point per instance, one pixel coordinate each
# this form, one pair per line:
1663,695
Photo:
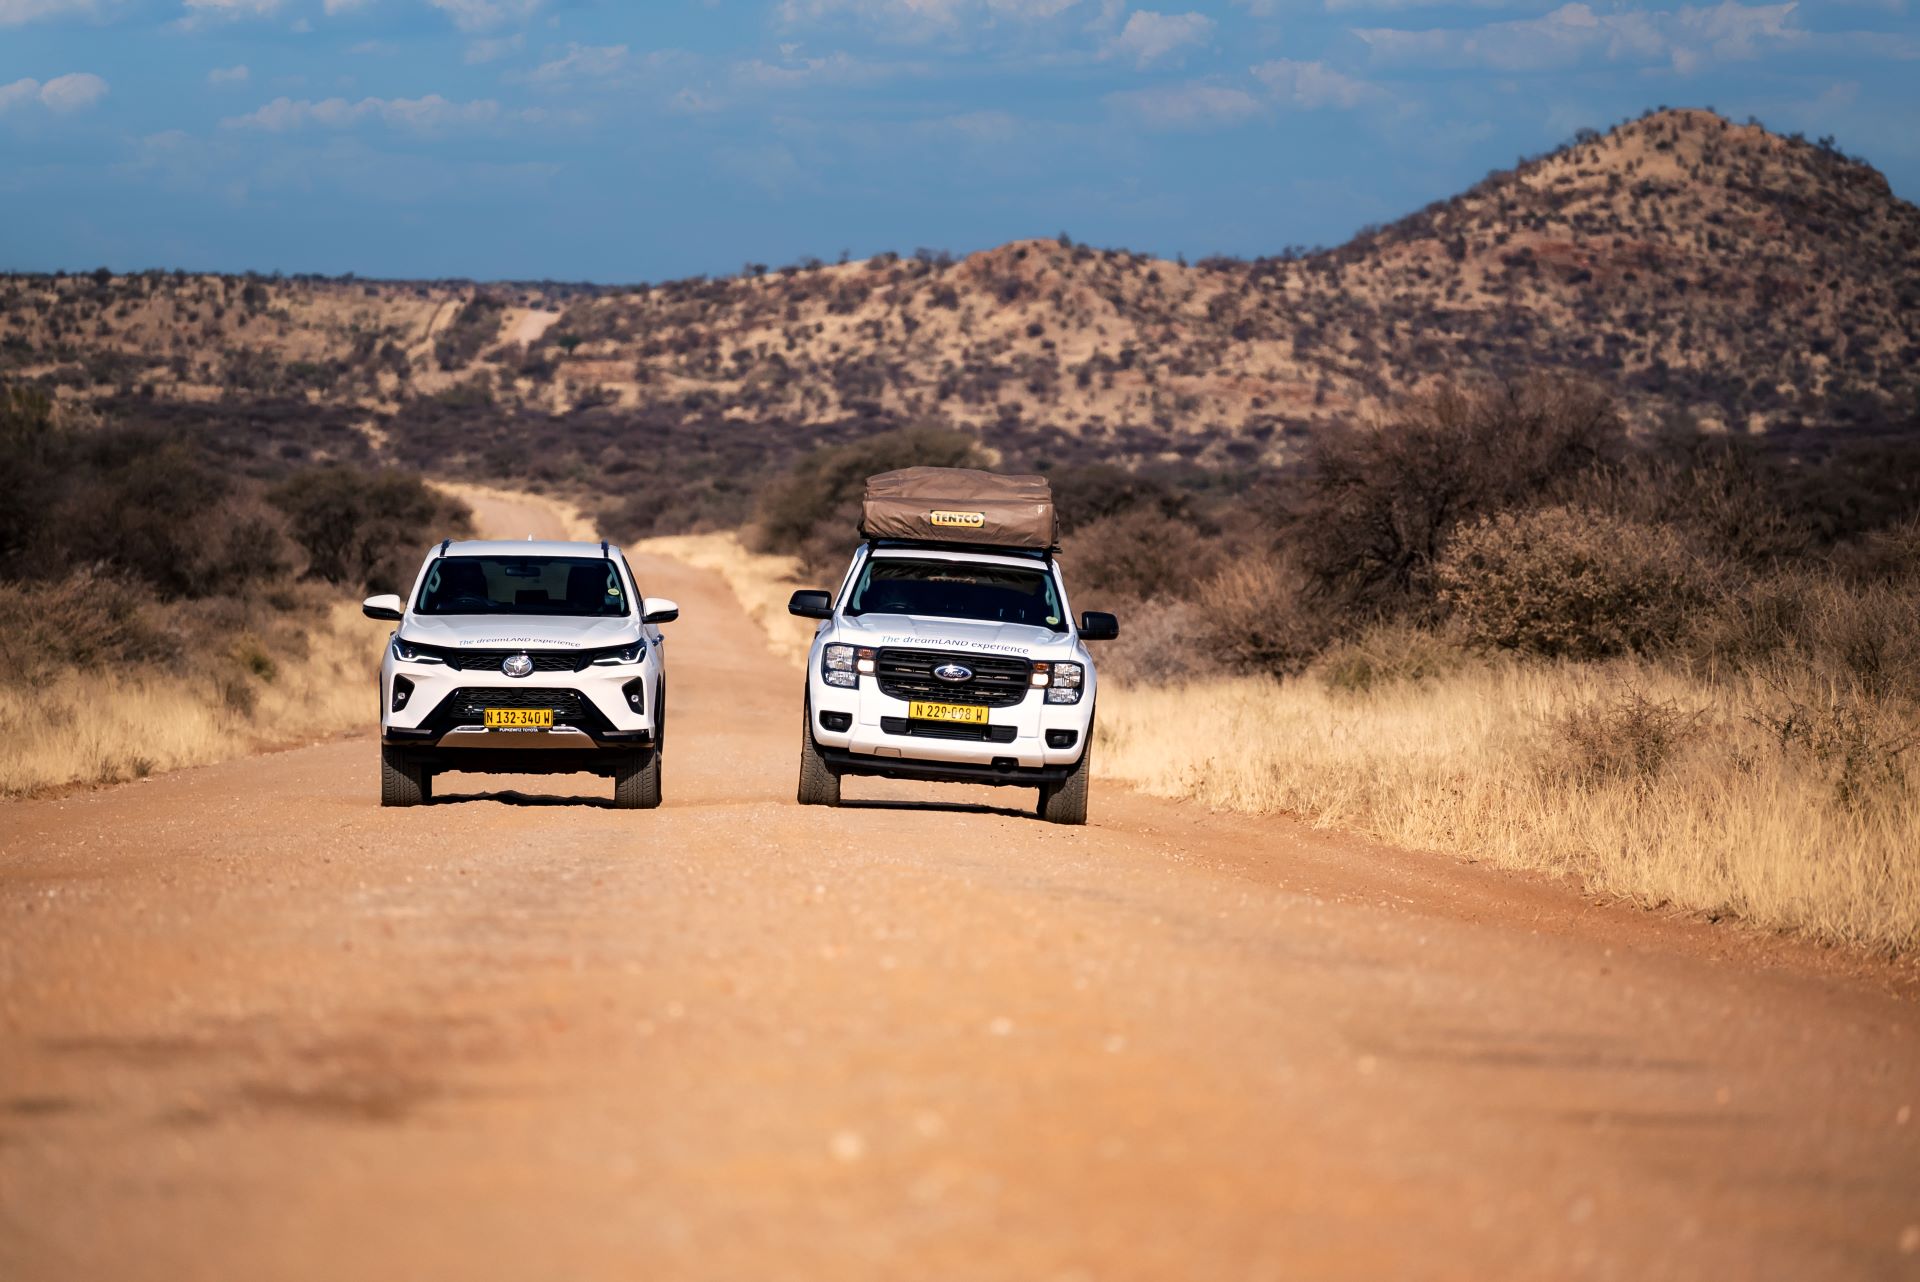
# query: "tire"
636,781
1066,802
403,780
819,786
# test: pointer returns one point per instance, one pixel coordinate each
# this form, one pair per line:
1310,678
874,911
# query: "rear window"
573,587
957,590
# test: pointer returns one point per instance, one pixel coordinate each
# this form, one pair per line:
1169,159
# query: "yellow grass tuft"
1482,764
109,727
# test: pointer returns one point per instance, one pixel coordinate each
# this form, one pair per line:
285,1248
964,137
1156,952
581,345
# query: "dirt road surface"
252,1026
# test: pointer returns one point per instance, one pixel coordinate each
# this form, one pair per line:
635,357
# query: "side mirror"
811,605
1097,626
657,609
386,606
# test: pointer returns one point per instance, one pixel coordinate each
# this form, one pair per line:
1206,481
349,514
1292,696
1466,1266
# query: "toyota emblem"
953,673
517,665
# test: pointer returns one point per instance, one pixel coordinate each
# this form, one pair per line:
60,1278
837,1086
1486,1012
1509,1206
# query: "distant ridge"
1711,271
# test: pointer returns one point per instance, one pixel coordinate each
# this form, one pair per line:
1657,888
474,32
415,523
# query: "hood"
954,634
513,632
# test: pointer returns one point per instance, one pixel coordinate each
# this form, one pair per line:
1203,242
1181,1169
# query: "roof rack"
604,554
444,545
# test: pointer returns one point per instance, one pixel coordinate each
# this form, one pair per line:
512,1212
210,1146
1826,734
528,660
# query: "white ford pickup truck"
949,652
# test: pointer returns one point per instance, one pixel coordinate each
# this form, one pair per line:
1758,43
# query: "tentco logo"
961,520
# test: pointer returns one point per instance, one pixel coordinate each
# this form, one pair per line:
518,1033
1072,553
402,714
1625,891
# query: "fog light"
402,691
838,722
636,692
1062,738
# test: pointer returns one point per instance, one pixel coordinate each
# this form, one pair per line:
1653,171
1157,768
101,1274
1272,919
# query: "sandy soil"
251,1026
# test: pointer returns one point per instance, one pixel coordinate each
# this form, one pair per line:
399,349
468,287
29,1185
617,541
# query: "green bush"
1569,582
814,510
366,530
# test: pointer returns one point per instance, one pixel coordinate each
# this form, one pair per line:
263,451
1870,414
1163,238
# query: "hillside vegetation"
1707,271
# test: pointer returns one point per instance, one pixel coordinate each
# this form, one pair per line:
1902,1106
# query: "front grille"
946,730
468,707
997,682
543,660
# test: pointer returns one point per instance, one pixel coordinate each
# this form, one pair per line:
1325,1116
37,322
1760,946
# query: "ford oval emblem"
517,665
953,673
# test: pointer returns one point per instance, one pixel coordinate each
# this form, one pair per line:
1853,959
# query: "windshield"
957,590
574,587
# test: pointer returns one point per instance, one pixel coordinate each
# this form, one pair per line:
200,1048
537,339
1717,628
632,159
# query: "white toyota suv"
940,660
523,658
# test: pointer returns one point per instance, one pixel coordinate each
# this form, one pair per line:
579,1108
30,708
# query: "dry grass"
1640,783
106,728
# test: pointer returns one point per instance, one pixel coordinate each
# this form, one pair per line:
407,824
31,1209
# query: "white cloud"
579,63
922,19
493,48
1149,36
229,75
14,13
335,7
65,93
1190,106
834,69
1315,84
418,114
201,9
1573,34
484,15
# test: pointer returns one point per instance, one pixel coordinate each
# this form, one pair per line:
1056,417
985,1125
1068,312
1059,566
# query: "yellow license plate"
519,718
956,713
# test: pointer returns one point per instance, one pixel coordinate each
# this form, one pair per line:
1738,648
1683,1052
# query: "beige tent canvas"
960,505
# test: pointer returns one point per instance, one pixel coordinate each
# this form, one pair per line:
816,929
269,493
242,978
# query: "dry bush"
1378,503
1141,553
1857,742
1818,625
1387,653
1570,582
89,619
1259,615
1624,736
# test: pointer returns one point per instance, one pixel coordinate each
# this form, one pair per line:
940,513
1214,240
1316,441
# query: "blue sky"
586,140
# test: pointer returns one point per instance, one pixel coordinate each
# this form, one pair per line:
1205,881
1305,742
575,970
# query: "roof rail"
444,545
605,555
943,545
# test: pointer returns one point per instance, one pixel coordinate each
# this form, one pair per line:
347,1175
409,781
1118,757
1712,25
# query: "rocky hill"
1708,270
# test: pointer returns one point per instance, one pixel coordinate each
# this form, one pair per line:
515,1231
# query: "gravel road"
251,1026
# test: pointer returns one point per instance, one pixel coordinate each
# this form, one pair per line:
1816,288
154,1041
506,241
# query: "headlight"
627,654
837,666
1065,685
408,652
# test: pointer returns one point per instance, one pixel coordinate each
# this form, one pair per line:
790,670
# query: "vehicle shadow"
512,798
940,807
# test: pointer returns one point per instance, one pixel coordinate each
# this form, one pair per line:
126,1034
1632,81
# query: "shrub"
1142,553
86,620
1565,581
1259,616
814,510
363,529
1377,503
1807,619
1386,654
1627,737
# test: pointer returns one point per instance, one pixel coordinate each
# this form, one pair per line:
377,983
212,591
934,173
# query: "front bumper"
599,708
876,738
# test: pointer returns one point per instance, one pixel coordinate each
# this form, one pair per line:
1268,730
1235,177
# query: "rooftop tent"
960,505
